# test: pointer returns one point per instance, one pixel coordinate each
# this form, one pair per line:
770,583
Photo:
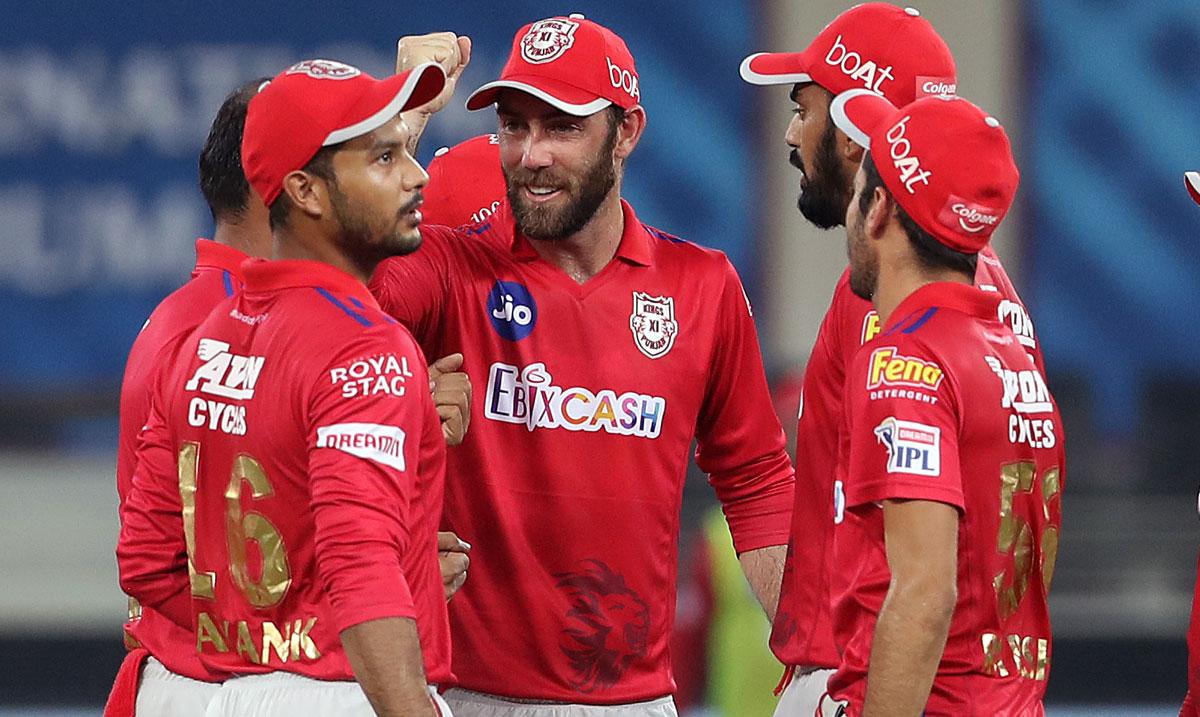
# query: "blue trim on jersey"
921,321
227,278
476,229
349,312
663,235
357,304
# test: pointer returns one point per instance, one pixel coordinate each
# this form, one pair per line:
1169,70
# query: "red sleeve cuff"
764,518
398,604
903,490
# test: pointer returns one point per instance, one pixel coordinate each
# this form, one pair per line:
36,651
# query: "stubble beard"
825,197
584,196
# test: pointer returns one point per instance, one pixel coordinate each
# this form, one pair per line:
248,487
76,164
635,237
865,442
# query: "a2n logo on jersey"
225,375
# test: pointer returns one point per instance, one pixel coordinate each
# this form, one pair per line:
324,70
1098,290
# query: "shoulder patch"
660,234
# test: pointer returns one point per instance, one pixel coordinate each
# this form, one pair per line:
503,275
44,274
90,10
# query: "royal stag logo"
607,626
653,324
547,40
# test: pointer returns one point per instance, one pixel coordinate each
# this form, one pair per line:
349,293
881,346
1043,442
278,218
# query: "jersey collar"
952,295
214,255
634,247
266,276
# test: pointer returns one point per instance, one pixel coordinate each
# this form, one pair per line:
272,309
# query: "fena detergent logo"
889,368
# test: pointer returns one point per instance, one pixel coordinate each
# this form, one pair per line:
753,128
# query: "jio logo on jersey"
512,310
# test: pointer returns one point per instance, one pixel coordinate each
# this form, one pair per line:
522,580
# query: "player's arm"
741,447
359,490
151,550
922,553
450,51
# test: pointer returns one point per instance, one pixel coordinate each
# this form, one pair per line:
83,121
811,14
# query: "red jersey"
568,484
310,466
217,276
803,630
466,184
946,405
1189,708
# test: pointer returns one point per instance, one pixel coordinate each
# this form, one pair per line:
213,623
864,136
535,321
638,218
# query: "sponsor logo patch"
512,310
889,368
547,40
871,326
372,441
527,396
324,70
227,376
913,448
933,86
963,216
908,164
382,374
1026,395
852,64
653,324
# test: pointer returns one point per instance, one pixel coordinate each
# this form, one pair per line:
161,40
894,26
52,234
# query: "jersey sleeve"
414,288
741,445
903,424
151,550
364,438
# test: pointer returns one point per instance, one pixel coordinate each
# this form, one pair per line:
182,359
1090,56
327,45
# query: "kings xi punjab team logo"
653,324
547,40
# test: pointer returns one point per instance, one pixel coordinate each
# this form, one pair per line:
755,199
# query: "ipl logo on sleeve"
913,448
653,324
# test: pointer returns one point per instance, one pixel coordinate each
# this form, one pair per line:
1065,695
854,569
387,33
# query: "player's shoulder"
677,250
187,306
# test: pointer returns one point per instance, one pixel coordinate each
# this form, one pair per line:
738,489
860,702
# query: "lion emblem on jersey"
547,40
607,626
653,324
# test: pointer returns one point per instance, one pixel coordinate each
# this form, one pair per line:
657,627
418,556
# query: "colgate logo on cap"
932,86
962,215
547,40
852,64
623,79
324,70
902,157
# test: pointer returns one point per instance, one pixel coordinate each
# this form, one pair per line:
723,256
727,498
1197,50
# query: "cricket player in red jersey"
172,680
309,454
952,459
1191,700
896,53
605,346
465,183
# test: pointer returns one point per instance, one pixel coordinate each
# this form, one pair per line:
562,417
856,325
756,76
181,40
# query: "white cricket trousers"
162,693
285,694
805,696
478,704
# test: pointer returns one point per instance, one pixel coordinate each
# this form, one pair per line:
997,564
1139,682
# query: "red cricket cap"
1192,179
316,103
577,65
889,50
465,182
948,163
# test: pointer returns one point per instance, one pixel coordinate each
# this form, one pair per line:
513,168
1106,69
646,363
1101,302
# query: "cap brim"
388,98
859,113
1192,179
568,98
775,68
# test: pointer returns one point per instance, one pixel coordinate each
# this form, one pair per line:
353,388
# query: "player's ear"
879,213
852,152
629,131
307,192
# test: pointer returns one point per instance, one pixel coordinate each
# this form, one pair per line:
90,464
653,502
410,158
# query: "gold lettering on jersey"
888,367
1029,656
207,632
276,578
262,644
188,464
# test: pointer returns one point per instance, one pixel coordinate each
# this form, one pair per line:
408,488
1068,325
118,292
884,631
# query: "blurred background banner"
104,107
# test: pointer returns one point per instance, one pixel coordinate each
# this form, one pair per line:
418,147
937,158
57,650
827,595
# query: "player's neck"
250,238
901,280
289,244
586,252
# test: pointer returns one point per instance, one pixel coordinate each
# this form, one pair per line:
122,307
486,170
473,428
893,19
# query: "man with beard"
162,674
953,456
896,53
297,418
605,345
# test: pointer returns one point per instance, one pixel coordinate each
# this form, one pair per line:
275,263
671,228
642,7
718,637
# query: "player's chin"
405,240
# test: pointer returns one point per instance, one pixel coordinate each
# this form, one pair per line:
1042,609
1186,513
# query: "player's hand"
453,560
450,51
452,396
